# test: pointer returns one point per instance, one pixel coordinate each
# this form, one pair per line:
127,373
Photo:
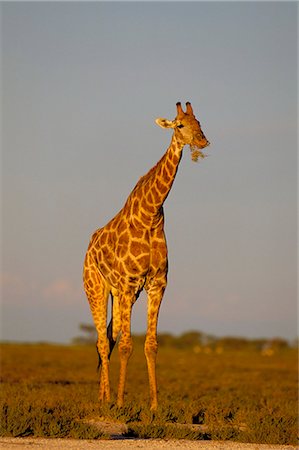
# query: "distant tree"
189,339
258,344
233,343
279,343
295,343
90,334
166,340
195,340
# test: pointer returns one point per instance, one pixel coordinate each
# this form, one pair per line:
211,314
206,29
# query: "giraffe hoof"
120,403
154,407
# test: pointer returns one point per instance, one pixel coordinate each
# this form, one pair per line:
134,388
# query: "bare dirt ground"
126,444
117,441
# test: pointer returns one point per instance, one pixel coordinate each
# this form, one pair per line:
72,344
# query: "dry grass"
50,390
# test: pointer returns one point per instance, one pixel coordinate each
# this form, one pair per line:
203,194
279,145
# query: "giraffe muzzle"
201,143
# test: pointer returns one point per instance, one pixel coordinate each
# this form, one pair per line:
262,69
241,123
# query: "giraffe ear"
164,123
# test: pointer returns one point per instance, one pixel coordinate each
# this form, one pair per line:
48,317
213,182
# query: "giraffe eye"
180,126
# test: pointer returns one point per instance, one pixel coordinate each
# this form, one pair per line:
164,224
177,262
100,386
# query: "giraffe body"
130,254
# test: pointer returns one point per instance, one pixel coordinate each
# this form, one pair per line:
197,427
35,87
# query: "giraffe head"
187,130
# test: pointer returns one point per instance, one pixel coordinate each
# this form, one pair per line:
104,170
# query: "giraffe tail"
100,359
112,341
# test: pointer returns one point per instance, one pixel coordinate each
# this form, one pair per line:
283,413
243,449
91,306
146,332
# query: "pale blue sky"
82,86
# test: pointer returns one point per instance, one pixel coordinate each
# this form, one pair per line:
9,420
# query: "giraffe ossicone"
129,254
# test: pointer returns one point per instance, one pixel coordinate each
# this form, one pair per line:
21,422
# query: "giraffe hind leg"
113,330
97,291
112,343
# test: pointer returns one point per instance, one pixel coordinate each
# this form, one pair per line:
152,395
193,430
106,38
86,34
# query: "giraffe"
129,254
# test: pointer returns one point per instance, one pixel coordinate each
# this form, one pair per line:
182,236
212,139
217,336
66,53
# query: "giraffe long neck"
152,189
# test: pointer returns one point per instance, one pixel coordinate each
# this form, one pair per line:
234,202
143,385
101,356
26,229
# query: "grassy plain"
50,390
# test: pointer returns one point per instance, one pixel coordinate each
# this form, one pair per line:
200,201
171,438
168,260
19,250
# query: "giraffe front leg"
151,348
125,348
155,296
